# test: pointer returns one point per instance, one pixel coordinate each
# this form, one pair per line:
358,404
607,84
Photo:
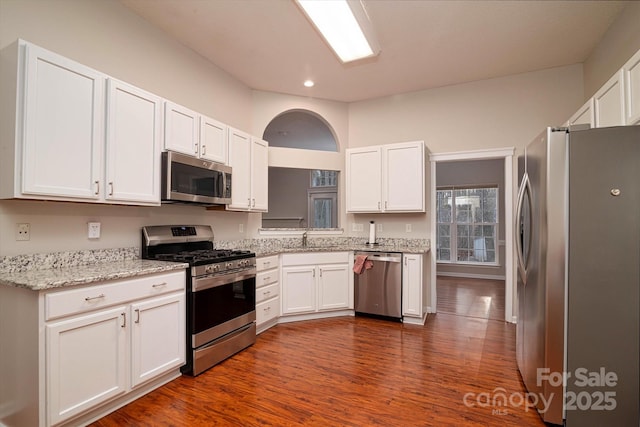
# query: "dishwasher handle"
381,256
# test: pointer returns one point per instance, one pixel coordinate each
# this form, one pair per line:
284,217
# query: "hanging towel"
361,264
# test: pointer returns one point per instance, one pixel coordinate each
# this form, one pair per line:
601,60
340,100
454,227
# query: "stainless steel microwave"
188,179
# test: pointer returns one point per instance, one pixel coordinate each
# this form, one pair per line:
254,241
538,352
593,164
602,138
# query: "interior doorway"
506,156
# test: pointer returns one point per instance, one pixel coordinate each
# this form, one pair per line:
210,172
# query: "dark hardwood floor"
481,298
352,372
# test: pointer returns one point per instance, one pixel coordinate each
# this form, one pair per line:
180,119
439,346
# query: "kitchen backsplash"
19,263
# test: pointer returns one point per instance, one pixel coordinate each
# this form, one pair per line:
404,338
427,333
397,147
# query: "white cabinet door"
158,344
584,115
333,286
412,285
240,162
63,122
364,179
298,289
213,140
86,362
631,71
259,175
133,144
180,129
608,103
403,177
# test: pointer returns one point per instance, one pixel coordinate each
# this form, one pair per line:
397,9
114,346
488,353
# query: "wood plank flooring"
481,298
351,372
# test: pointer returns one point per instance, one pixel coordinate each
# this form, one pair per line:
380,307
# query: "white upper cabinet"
608,103
364,179
189,132
584,115
213,140
386,178
248,157
631,74
63,127
134,129
403,177
180,129
78,135
259,175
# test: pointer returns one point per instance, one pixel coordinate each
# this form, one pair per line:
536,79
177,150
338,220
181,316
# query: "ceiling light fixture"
308,83
345,26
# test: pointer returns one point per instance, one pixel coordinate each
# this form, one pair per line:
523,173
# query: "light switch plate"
408,228
94,230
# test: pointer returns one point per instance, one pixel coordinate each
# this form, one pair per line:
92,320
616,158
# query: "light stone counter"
39,272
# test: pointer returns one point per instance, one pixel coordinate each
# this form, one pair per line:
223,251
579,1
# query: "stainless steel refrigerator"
578,251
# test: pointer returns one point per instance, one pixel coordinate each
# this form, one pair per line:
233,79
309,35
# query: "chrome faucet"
304,239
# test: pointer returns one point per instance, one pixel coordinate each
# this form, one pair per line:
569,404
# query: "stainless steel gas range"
221,291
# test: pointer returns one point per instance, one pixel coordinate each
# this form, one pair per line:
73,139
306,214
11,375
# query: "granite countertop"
40,272
260,251
39,280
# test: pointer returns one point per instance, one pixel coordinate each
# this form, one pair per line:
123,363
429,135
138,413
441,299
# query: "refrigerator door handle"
524,191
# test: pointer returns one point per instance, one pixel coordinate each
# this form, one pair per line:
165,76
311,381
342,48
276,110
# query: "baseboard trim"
471,276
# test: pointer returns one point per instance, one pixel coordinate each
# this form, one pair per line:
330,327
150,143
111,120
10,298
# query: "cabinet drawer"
267,292
314,258
268,277
64,303
267,262
267,310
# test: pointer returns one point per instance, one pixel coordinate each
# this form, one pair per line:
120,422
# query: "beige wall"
619,43
106,36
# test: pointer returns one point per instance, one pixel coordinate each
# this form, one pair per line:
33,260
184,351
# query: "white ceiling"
269,44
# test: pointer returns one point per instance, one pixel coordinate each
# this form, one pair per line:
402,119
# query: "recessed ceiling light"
344,25
308,83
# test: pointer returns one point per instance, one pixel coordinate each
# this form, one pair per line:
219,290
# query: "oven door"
189,179
221,304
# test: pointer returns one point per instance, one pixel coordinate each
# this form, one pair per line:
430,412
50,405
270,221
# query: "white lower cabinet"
157,336
413,292
86,362
267,292
316,282
100,346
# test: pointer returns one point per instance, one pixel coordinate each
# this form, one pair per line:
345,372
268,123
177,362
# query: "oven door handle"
201,284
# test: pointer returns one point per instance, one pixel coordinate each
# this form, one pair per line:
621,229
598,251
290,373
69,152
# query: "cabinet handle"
378,205
254,203
97,188
266,262
195,148
267,308
320,272
265,293
405,260
157,285
249,202
124,320
137,310
111,188
385,204
204,150
267,278
93,298
314,272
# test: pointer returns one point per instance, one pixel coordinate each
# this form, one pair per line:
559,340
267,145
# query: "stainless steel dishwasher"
378,290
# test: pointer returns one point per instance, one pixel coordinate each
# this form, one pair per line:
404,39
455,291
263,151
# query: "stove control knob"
229,265
215,267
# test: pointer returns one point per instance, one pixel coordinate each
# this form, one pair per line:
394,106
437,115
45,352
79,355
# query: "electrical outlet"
360,227
407,228
23,232
241,228
94,230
